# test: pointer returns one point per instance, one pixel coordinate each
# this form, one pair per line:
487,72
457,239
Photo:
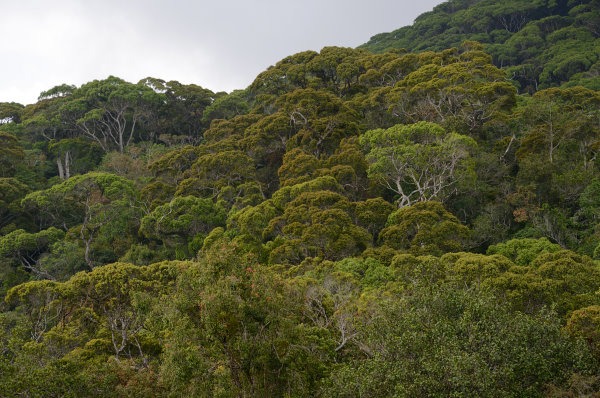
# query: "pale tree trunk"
61,172
67,165
64,172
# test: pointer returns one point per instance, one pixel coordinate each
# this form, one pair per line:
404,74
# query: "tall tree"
87,203
110,111
419,162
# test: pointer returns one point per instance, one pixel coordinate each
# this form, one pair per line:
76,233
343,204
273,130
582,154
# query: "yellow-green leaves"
419,162
424,228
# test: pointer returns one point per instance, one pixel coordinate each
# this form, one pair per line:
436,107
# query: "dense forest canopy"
420,220
540,43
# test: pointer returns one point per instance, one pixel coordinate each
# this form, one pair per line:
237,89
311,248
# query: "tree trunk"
88,260
61,172
67,165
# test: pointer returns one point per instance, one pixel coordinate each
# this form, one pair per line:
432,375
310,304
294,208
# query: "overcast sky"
220,45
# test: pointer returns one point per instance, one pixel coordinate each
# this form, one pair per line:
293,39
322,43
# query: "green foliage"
557,117
10,112
110,305
371,273
96,205
585,323
472,269
63,260
424,228
419,162
26,248
180,110
461,91
412,271
542,43
446,342
172,165
234,322
372,214
11,193
62,90
227,106
297,167
523,251
213,172
109,112
11,154
79,155
303,278
562,279
315,224
143,255
182,220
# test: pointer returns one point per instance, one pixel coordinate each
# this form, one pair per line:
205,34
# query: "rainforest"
415,217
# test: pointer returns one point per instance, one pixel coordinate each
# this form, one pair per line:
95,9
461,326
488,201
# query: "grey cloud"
218,45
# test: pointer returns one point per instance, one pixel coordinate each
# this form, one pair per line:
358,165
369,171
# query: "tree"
555,117
110,306
298,167
315,224
330,295
10,112
562,279
319,118
11,154
27,248
454,88
372,215
89,202
349,167
227,106
541,44
183,220
43,120
308,119
62,90
79,156
110,293
213,172
182,110
419,162
369,272
585,322
237,329
11,193
441,341
109,111
473,269
424,228
524,251
43,305
170,166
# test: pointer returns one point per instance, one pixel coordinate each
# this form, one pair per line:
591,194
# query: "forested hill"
541,43
402,224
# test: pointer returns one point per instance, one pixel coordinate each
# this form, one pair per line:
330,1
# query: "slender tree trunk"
67,165
88,260
88,243
61,172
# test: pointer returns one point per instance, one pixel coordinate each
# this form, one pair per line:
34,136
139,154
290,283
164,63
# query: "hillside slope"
541,43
